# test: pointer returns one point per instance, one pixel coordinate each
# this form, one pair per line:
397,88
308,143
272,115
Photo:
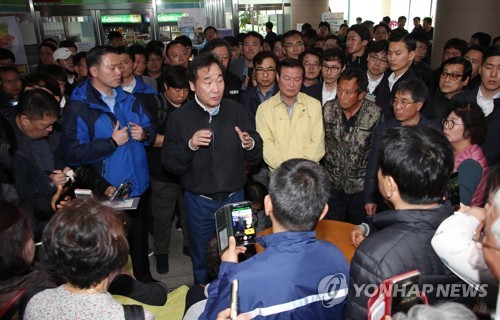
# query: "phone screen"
243,228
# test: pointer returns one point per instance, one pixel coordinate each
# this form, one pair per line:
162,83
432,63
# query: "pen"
49,172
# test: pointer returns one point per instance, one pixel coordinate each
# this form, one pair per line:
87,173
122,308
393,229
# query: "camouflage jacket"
347,154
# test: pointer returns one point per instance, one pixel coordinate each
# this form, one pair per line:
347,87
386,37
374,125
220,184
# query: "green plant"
247,17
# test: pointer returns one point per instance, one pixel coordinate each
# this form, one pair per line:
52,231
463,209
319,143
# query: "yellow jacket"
301,136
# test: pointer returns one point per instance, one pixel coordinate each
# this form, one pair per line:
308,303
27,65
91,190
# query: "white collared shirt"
327,95
486,104
372,84
392,80
129,87
62,103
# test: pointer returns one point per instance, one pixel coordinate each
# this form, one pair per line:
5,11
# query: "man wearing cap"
64,58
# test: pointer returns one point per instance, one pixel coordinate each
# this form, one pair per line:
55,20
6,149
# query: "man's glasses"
295,45
261,71
450,124
375,59
333,69
10,82
403,103
453,76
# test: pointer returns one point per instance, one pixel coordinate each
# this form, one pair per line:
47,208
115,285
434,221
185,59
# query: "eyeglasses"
260,71
450,124
11,82
295,45
375,59
403,103
311,65
333,69
453,76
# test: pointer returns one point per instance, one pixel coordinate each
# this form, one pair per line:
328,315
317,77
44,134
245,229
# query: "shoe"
162,263
150,252
178,225
186,251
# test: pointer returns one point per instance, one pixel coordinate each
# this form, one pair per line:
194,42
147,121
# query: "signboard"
14,6
186,22
11,38
84,46
122,18
170,17
335,19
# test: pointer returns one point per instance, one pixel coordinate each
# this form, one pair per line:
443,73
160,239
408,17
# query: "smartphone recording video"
243,224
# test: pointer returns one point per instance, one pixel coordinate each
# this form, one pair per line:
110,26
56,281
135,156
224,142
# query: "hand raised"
201,138
245,138
120,135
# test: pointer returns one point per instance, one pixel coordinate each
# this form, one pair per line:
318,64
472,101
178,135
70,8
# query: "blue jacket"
87,126
283,282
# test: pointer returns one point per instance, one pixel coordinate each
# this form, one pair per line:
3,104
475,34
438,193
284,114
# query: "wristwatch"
146,136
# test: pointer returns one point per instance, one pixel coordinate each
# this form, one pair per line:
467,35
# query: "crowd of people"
353,126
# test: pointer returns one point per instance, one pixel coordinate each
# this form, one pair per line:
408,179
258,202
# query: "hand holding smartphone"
236,220
396,294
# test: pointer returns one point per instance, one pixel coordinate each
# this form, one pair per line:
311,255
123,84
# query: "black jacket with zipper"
220,166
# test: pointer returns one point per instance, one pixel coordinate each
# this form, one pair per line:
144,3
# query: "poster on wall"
11,38
335,19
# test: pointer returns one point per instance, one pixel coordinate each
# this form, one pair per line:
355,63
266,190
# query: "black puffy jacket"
400,242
